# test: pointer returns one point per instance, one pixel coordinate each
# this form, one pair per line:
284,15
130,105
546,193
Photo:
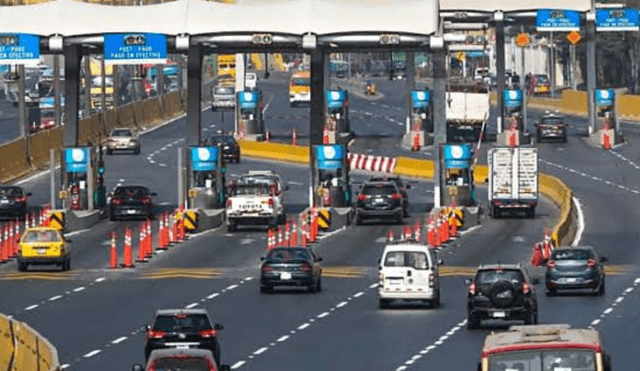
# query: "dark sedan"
291,266
228,145
551,127
401,187
13,201
575,268
131,202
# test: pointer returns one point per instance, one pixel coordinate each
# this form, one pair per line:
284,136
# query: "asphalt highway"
92,314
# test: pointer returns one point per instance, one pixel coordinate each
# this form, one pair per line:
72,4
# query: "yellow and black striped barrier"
324,218
57,219
190,220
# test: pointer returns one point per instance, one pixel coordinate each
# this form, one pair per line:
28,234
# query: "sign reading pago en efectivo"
617,20
19,49
557,20
135,48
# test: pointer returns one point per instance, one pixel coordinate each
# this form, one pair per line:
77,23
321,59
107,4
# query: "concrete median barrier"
24,349
414,168
275,151
14,160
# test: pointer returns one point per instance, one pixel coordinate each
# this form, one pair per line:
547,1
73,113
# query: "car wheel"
231,227
137,151
282,219
601,289
472,322
384,303
313,286
266,289
319,285
435,303
66,265
22,267
530,319
238,160
550,292
399,218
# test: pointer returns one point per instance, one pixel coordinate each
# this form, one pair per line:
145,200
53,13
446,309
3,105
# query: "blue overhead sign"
76,159
204,158
513,98
330,156
605,97
134,48
475,53
617,20
557,20
171,70
19,49
248,99
458,156
420,98
336,98
50,102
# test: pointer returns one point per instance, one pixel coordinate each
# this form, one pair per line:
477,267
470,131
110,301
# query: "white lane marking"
580,230
92,353
119,340
331,233
78,232
595,322
341,304
191,305
623,158
608,310
608,182
261,350
322,315
437,343
100,279
79,289
470,230
636,281
213,295
619,299
121,180
295,183
358,294
373,286
62,367
628,290
34,306
237,365
232,287
282,338
54,298
303,326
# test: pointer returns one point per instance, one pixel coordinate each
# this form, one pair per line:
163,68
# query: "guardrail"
24,349
24,155
550,186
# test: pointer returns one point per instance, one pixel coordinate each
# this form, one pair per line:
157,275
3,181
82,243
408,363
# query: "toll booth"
337,113
206,178
80,179
458,175
333,175
421,111
250,121
606,112
513,106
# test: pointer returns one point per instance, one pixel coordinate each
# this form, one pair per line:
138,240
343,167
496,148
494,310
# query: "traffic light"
101,167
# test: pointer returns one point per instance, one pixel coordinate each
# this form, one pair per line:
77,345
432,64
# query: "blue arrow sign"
204,158
604,97
330,156
19,49
513,98
557,20
76,159
135,48
617,20
248,99
335,98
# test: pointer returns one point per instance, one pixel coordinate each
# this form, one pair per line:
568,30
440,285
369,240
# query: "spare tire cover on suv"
502,294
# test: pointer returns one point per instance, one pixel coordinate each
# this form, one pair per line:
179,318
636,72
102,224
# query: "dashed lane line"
301,327
617,301
60,296
577,172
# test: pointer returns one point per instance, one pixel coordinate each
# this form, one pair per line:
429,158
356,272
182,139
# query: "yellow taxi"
43,246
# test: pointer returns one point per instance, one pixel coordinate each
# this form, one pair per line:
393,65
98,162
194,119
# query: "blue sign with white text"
557,20
19,48
248,99
605,97
76,160
617,20
513,98
420,98
475,53
336,98
204,158
458,156
330,156
135,48
49,102
167,71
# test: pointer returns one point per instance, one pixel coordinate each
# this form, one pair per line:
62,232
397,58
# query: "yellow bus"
227,65
300,88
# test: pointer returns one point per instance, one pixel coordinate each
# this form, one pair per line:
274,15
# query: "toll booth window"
41,236
252,190
411,259
204,179
457,177
47,114
301,81
132,192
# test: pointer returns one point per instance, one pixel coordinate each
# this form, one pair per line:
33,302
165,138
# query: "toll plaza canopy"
196,17
491,6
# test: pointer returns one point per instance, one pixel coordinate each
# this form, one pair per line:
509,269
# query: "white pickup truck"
252,203
467,110
513,180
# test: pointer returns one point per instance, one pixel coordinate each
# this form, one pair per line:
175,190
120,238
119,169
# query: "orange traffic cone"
304,234
149,235
390,235
294,138
416,141
294,234
606,140
280,236
128,250
16,244
325,136
113,260
141,246
267,136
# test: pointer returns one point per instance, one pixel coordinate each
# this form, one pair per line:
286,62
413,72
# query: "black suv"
551,127
501,291
182,327
228,146
379,200
401,187
13,201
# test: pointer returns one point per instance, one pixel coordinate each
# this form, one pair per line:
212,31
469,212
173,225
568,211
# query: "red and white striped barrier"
382,164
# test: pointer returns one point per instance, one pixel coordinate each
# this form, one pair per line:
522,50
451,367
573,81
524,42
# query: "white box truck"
468,107
513,180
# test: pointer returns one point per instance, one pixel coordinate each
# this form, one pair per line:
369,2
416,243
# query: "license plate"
378,200
572,280
41,251
182,347
285,276
4,201
499,314
132,211
396,281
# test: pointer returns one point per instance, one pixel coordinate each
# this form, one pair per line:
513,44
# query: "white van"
251,80
408,271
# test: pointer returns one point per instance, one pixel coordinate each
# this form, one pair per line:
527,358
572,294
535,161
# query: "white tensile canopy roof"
193,17
513,5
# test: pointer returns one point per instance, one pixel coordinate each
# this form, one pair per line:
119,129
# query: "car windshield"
182,322
224,91
41,236
542,79
492,276
122,133
546,360
571,255
288,254
551,121
301,81
181,364
10,191
222,139
413,259
378,190
252,190
250,76
133,192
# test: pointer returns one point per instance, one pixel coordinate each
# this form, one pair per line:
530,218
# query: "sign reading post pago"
557,20
135,48
19,49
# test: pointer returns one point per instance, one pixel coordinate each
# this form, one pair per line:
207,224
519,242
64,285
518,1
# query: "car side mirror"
319,259
28,194
535,281
286,188
154,194
262,258
440,262
137,368
225,368
218,327
110,194
68,240
408,186
468,281
603,259
144,328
